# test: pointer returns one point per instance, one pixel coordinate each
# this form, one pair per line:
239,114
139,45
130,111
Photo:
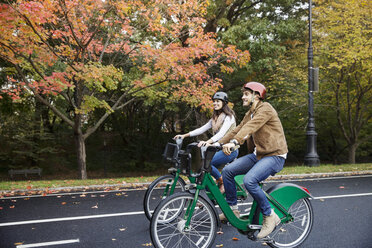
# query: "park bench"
24,172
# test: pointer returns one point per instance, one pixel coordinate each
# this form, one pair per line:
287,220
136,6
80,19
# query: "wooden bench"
25,172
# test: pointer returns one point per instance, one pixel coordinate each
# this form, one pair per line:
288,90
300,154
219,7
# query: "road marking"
341,196
68,219
17,223
61,242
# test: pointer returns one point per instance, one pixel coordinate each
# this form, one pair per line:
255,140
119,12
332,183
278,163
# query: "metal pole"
311,157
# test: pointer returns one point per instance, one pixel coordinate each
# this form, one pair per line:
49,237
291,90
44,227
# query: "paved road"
342,208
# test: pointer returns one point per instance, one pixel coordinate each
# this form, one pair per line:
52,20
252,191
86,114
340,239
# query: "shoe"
220,185
268,225
223,217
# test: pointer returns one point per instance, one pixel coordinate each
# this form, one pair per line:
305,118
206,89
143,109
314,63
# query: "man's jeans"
255,171
219,159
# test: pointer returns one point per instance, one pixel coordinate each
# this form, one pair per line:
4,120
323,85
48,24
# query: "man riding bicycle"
267,146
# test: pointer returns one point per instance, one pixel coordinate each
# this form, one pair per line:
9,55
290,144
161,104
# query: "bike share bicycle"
189,219
171,183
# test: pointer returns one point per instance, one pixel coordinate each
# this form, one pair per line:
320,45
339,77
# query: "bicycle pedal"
266,240
190,186
254,227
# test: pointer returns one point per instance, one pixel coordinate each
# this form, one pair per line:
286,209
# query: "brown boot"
220,185
268,225
223,217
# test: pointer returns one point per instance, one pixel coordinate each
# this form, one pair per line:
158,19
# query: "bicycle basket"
170,152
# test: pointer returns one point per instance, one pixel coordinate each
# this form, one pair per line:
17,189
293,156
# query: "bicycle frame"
292,191
177,171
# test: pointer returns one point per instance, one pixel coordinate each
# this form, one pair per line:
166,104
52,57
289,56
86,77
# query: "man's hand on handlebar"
228,148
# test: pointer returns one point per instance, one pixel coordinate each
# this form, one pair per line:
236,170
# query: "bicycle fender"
287,193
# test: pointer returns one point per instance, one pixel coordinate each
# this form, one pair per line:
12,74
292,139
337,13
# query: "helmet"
221,96
255,86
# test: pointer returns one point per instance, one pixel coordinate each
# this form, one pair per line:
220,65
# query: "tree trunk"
80,147
352,151
81,154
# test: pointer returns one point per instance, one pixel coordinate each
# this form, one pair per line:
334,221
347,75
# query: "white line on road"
136,213
61,242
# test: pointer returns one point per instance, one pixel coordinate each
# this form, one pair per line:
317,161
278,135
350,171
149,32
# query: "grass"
47,184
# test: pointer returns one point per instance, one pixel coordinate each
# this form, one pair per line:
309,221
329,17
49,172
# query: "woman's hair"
226,109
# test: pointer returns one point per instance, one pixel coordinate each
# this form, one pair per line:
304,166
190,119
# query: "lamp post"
311,157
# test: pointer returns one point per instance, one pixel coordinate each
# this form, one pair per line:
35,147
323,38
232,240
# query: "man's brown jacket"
264,131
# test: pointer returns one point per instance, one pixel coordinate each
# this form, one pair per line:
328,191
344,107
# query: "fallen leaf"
219,232
19,243
96,206
63,203
83,195
235,239
221,245
118,194
321,199
147,244
113,239
122,229
12,206
29,187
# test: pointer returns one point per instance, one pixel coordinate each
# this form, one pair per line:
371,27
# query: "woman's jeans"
255,171
220,159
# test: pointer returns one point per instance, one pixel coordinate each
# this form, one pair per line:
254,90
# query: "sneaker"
268,225
223,217
222,188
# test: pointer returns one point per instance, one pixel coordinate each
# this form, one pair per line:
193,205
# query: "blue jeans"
255,171
220,159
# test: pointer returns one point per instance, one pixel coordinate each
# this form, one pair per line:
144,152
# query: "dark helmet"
221,96
254,86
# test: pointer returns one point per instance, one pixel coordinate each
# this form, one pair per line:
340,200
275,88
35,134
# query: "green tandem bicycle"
172,182
190,218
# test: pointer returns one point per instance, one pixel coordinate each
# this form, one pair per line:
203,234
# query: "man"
267,146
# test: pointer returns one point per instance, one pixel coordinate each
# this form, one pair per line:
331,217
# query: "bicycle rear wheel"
172,234
158,190
294,233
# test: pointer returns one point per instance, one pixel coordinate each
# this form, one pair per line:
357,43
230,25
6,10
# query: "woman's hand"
180,136
205,143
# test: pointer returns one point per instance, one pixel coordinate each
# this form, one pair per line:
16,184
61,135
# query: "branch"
41,38
44,101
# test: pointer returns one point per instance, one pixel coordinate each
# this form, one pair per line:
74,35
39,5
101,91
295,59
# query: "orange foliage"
57,40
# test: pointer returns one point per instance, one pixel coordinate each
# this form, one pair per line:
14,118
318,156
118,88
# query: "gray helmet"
221,96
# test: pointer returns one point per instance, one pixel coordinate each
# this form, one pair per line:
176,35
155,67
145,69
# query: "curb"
117,187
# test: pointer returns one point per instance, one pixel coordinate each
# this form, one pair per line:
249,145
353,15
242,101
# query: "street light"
311,157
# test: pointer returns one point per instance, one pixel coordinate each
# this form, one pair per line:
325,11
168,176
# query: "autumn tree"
94,54
344,46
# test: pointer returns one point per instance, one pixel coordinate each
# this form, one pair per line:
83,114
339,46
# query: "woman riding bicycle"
222,121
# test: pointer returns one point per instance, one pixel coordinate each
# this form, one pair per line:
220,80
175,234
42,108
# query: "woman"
222,121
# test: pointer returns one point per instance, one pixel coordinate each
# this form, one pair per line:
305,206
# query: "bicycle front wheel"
168,223
158,190
294,233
